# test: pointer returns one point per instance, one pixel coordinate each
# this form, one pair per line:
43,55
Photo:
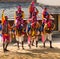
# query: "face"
19,8
45,9
6,18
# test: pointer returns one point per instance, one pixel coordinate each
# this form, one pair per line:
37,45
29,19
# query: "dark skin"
5,44
49,33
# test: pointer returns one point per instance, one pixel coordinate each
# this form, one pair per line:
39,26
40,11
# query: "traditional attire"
19,25
48,32
31,9
6,34
44,13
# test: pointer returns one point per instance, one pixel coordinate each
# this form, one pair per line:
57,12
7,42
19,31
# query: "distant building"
53,8
16,0
10,9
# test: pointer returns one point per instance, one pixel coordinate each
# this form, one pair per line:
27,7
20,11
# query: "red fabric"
6,38
33,25
49,23
31,8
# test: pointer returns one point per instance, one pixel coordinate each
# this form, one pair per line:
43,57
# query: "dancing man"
19,26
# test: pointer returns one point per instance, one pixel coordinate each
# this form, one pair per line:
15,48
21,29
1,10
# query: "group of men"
32,29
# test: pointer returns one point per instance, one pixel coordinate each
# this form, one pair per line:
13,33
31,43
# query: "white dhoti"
20,38
48,36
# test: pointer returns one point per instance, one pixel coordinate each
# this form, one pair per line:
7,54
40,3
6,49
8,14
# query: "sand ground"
33,53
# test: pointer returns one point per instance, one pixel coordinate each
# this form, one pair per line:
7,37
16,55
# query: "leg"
44,44
22,44
7,42
3,46
22,40
17,41
7,45
50,39
18,44
29,41
32,41
45,37
29,45
51,44
36,43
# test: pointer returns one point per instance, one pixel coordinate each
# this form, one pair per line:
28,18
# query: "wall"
58,22
55,20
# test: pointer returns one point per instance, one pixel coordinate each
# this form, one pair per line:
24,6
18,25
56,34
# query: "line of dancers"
32,28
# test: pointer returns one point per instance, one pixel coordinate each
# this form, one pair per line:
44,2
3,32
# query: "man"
48,28
5,33
19,26
44,13
34,14
31,9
